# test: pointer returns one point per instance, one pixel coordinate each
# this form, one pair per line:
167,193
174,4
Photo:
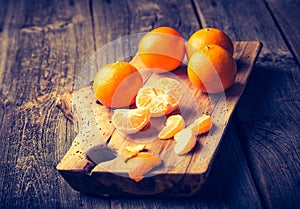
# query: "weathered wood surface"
43,45
286,15
268,115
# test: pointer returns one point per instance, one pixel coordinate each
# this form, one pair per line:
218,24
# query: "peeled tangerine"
185,142
161,98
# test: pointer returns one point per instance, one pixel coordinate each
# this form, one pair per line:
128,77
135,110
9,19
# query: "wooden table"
43,46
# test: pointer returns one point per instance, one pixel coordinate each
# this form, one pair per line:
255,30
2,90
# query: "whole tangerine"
212,69
208,36
162,49
116,84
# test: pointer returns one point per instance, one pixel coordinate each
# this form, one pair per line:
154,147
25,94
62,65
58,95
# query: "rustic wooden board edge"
231,101
85,167
207,165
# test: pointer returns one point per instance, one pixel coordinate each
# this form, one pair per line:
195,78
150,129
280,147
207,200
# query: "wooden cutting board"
95,161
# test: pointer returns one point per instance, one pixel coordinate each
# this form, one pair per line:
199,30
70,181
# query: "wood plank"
67,197
142,16
227,21
3,12
273,134
268,112
286,15
44,48
112,29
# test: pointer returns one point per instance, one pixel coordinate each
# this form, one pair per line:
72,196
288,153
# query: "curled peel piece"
136,148
133,151
147,163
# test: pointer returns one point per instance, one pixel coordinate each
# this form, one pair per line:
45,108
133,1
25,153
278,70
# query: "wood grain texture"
286,15
42,47
268,114
80,26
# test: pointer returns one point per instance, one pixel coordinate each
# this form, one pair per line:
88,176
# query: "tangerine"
212,69
162,49
208,36
157,100
116,85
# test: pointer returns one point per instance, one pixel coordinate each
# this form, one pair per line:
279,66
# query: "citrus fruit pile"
211,68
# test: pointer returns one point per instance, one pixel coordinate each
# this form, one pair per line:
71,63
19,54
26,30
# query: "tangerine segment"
155,99
129,121
201,125
174,124
185,141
